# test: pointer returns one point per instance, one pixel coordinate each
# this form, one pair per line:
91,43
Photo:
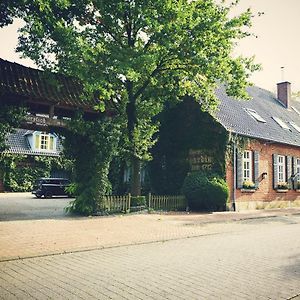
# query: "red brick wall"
265,191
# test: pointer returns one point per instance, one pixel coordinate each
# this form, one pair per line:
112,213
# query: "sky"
277,44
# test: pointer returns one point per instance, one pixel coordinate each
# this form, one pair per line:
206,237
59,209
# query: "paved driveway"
25,206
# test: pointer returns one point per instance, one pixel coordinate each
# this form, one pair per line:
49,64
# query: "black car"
49,187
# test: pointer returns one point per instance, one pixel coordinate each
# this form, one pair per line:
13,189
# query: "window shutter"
256,168
294,171
275,171
289,171
239,170
51,143
37,141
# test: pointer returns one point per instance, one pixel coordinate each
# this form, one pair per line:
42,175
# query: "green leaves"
137,51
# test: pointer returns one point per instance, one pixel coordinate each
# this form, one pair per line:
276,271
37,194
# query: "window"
44,141
295,126
281,168
255,115
247,166
297,169
280,123
127,174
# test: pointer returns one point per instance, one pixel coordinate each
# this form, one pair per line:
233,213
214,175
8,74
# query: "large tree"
139,53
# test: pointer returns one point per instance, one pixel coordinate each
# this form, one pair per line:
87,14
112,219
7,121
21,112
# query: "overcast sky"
277,44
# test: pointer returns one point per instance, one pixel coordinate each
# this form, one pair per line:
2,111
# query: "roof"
17,143
19,80
232,115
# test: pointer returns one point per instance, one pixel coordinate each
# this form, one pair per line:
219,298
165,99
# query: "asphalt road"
25,206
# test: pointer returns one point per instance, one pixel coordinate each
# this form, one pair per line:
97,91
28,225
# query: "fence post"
129,199
149,202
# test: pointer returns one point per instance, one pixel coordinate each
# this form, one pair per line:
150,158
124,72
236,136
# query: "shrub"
138,201
205,192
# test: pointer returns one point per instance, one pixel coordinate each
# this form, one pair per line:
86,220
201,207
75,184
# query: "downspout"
234,178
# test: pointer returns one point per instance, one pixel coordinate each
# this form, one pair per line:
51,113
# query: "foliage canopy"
138,53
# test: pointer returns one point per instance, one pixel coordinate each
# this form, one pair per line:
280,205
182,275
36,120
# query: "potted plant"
248,186
282,187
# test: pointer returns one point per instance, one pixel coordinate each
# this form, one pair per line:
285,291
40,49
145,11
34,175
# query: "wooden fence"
167,202
115,203
157,202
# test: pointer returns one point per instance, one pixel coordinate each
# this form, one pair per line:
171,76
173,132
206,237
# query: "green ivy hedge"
205,192
19,172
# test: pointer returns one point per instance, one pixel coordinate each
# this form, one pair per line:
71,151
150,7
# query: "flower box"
282,190
282,187
248,186
243,190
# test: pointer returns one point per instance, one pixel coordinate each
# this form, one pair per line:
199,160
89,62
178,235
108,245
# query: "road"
255,259
25,206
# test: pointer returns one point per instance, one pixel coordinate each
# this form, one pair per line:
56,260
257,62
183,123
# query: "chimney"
284,93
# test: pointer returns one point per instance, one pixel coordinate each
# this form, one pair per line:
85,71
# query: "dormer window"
44,141
281,123
255,115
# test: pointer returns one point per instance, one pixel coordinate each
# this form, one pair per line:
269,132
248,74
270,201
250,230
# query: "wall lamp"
264,175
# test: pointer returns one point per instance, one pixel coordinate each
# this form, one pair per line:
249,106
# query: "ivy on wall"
185,127
91,145
10,118
21,171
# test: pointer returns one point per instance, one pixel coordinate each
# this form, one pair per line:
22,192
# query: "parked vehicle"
49,187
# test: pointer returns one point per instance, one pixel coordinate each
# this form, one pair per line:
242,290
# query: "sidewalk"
30,238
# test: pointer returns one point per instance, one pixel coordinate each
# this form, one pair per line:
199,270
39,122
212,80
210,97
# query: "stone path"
255,259
28,238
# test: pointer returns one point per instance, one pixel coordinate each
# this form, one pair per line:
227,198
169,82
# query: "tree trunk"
135,187
1,180
132,121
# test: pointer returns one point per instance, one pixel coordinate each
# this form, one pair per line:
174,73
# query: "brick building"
262,166
265,172
254,144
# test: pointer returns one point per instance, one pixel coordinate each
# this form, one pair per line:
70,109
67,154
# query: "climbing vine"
10,118
21,171
241,143
91,145
185,127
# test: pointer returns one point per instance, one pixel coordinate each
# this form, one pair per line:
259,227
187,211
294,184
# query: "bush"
205,192
138,201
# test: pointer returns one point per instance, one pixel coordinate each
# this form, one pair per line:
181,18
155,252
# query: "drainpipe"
234,178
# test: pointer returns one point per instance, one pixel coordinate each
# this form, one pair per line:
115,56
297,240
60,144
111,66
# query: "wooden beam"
35,122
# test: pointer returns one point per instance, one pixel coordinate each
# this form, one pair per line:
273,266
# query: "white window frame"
44,141
281,168
247,164
281,123
253,113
